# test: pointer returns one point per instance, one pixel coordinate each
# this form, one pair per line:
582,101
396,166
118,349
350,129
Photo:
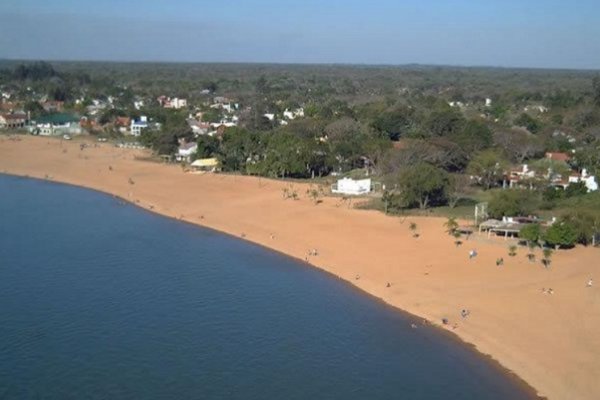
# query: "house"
269,116
90,124
53,106
488,102
297,113
13,120
137,125
587,179
517,177
564,157
351,186
540,109
175,103
205,165
198,127
186,151
57,125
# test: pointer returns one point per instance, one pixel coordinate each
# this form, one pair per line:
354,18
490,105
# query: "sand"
552,341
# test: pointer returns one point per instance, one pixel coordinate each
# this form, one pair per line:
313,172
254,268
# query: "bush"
552,193
561,234
586,224
532,233
512,202
576,189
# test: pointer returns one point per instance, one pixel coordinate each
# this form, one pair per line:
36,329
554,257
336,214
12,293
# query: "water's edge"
454,337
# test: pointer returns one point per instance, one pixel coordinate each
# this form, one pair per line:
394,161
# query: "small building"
352,187
137,125
205,165
13,120
186,151
57,125
564,157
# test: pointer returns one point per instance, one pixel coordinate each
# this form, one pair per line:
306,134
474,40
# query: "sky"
504,33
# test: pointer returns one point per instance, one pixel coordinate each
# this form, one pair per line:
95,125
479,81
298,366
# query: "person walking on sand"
590,283
472,254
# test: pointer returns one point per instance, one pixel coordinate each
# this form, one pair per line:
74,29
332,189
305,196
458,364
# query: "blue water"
101,300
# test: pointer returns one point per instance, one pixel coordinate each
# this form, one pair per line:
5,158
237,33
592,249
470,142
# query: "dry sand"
550,341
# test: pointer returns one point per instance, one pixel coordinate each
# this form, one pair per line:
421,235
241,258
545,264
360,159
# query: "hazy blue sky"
528,33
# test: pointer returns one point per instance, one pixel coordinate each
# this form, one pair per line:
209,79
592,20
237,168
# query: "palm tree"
512,250
457,236
547,255
413,228
451,225
531,247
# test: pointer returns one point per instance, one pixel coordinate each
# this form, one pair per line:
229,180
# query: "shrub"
532,233
561,234
576,189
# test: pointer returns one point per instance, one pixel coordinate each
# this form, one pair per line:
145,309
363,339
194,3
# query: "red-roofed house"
13,120
564,157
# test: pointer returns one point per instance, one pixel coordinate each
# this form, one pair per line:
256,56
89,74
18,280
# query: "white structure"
351,186
137,125
138,104
488,102
297,113
177,103
186,151
50,129
269,116
589,180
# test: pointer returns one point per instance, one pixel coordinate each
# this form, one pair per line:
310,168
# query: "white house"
137,125
589,180
186,151
297,113
488,102
352,186
269,116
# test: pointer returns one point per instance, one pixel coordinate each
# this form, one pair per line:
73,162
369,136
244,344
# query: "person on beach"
590,283
472,254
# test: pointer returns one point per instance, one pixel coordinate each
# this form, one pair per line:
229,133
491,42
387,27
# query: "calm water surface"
100,300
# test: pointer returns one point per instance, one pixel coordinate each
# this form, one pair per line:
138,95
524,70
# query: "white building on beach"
352,187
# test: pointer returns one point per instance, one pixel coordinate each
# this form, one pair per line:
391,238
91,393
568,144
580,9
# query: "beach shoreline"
368,250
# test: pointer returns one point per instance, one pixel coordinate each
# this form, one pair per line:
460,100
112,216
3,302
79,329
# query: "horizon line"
340,64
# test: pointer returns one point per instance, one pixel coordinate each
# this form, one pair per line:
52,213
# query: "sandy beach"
551,341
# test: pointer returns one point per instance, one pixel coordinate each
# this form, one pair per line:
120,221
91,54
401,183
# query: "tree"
445,122
518,144
395,123
585,222
413,228
474,136
488,166
512,250
422,185
547,253
596,90
576,189
512,202
207,146
532,233
451,225
561,234
457,189
528,122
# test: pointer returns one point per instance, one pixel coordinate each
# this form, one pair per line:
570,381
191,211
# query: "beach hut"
205,165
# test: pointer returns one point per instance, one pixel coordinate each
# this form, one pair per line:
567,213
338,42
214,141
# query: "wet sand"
552,341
